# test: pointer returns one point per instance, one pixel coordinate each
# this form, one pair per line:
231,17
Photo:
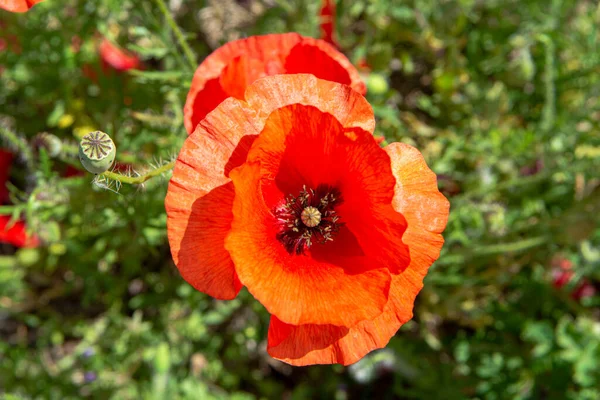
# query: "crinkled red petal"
200,197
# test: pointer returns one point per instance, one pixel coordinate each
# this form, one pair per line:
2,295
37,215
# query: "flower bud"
377,84
97,152
49,142
28,257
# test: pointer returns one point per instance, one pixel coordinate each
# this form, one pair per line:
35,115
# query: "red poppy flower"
18,5
231,68
562,273
6,158
585,289
15,234
561,278
288,193
117,58
327,25
72,172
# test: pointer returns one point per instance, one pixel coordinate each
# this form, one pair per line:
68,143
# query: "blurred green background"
501,96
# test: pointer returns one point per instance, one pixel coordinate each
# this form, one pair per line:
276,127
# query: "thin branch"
549,110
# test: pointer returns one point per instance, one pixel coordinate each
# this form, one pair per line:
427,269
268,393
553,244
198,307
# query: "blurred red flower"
234,66
584,289
562,273
561,278
363,65
327,24
15,234
287,193
6,158
71,172
18,5
11,233
117,58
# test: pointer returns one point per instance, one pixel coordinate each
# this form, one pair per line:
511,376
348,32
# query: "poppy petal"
417,197
117,58
327,23
16,233
296,288
200,197
246,60
426,211
18,5
347,106
314,56
300,341
239,74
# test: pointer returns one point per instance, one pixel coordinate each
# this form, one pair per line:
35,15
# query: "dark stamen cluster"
308,218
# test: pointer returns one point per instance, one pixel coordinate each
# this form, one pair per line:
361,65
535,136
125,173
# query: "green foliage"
501,96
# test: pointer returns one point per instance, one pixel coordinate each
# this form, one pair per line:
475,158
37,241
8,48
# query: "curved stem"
189,54
549,110
136,180
520,245
17,143
509,184
70,149
492,249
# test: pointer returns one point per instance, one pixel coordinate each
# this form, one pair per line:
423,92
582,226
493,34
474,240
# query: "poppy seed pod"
97,152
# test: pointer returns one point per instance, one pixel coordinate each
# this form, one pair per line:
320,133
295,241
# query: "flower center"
311,217
308,218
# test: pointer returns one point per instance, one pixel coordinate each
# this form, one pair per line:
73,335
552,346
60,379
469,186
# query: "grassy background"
501,96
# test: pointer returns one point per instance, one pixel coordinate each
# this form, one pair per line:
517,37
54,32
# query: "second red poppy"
233,67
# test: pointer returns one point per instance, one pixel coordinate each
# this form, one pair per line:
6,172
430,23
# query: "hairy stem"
136,180
17,143
189,54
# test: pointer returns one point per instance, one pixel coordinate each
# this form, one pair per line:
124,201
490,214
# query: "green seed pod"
97,152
